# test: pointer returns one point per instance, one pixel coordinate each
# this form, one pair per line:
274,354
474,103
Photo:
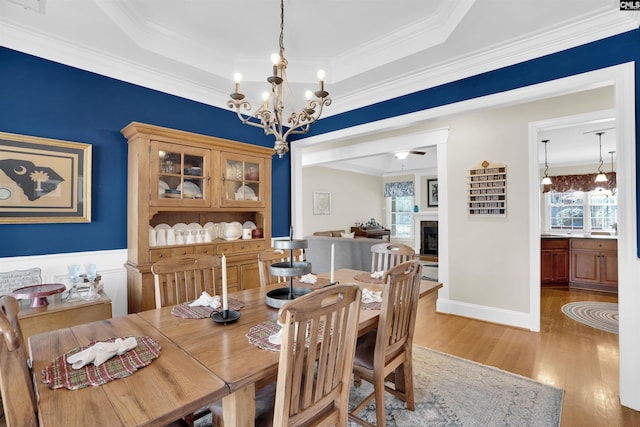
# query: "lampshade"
402,155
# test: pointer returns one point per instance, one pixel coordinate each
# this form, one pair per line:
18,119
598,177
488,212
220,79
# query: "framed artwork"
44,180
432,193
321,203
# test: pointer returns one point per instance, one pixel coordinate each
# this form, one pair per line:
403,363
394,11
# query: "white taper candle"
225,303
333,253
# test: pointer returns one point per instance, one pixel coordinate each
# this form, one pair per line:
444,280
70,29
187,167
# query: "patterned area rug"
450,391
599,315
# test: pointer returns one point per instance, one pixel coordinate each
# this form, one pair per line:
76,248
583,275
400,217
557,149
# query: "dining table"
201,361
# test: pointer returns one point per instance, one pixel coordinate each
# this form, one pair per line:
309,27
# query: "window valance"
586,182
398,189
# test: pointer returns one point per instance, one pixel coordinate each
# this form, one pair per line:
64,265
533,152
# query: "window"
579,210
400,211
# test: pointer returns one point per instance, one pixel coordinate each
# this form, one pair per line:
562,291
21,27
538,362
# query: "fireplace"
429,238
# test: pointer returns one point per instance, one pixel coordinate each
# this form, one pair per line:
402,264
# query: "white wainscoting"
54,270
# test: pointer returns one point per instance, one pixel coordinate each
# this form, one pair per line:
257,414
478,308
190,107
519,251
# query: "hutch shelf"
182,177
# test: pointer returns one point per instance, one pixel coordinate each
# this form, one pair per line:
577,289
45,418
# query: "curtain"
564,183
398,189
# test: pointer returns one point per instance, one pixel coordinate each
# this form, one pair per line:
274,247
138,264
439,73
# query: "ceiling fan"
401,155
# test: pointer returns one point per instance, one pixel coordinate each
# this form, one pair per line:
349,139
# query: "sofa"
349,253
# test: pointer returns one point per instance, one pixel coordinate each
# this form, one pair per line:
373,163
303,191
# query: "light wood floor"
566,354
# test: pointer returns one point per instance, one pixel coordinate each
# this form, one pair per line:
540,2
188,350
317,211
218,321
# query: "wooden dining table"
201,362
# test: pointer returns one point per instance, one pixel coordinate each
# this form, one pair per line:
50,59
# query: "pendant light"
611,183
546,180
601,176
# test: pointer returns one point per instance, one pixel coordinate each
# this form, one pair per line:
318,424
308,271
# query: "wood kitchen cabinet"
554,261
594,264
182,177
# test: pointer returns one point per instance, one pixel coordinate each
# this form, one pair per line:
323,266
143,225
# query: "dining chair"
385,354
316,360
385,256
271,256
183,278
18,395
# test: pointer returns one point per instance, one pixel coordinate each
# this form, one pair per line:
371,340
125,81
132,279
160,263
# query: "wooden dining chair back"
183,278
271,256
16,386
385,256
386,353
316,357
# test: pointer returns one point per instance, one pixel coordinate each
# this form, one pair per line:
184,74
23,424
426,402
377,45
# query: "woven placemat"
186,312
366,278
60,373
259,334
321,282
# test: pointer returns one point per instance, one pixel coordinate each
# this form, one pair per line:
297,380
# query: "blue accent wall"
46,99
42,98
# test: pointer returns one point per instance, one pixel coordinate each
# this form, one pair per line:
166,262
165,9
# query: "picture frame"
432,193
321,203
44,180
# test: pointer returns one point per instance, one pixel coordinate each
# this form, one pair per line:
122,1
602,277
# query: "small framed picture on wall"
432,193
321,203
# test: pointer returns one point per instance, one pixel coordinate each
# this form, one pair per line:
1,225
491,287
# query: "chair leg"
357,380
408,385
381,413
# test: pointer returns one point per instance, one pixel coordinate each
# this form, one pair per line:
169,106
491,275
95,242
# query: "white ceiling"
372,50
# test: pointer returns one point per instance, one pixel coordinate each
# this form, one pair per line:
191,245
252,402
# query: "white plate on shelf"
162,187
189,189
249,224
245,193
194,226
162,227
181,226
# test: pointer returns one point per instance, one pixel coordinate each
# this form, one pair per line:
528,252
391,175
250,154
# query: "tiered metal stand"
279,297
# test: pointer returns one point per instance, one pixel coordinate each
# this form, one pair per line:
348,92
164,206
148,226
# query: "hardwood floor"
566,354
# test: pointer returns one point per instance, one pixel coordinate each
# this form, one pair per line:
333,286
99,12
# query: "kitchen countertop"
577,236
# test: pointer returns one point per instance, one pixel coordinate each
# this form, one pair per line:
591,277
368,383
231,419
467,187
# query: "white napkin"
377,274
371,296
207,300
100,352
309,278
276,338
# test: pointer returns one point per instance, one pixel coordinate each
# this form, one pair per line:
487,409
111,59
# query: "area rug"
450,391
600,315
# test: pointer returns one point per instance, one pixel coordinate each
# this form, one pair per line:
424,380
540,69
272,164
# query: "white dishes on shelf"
232,230
162,187
245,193
189,189
181,233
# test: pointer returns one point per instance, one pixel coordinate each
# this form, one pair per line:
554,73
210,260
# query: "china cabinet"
177,178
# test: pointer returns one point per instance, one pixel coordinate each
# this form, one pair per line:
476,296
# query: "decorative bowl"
232,230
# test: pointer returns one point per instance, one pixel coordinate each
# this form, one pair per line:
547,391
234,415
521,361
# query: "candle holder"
224,316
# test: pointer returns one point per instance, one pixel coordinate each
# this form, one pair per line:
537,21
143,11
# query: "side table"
60,314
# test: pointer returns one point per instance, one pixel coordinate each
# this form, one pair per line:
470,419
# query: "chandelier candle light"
271,117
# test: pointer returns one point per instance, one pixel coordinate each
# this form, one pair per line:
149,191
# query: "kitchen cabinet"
178,177
594,264
554,261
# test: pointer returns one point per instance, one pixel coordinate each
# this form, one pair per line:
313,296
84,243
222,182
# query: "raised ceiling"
371,50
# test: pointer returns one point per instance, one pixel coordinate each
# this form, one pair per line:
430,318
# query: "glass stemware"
91,272
74,275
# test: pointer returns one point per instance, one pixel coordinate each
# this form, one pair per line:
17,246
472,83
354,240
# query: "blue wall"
46,99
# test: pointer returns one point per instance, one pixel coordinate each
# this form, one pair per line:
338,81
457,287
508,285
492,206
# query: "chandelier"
270,116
